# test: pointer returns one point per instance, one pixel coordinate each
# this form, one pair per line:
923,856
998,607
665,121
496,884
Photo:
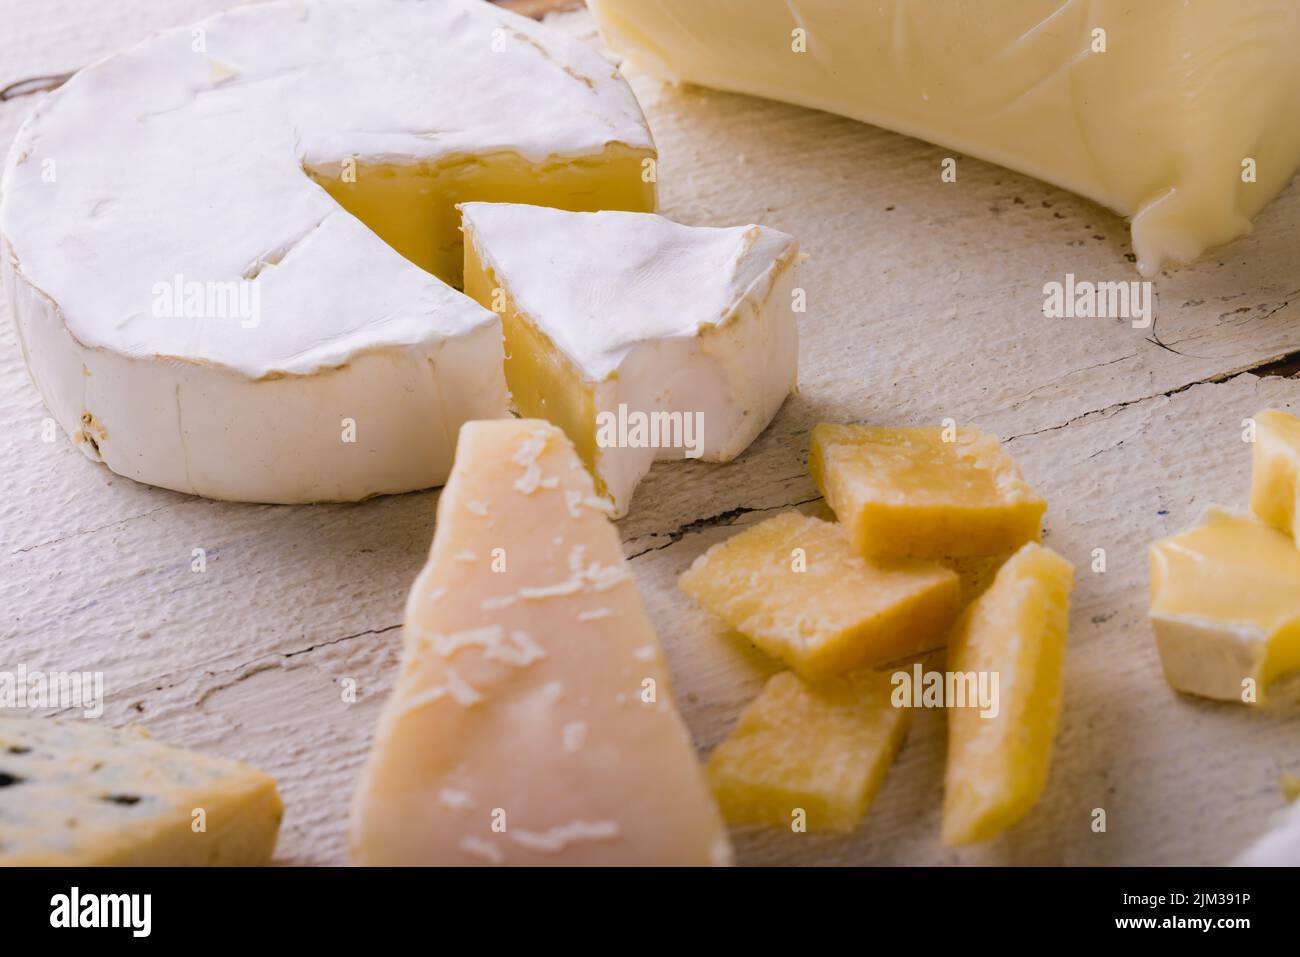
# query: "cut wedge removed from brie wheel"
1180,114
642,338
194,236
532,721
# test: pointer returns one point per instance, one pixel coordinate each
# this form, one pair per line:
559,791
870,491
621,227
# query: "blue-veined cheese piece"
76,794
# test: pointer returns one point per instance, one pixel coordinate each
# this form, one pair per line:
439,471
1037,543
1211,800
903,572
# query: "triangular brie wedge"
642,338
532,721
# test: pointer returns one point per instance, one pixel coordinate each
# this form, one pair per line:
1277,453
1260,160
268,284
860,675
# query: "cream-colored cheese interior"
1233,572
1275,475
543,383
412,207
1231,568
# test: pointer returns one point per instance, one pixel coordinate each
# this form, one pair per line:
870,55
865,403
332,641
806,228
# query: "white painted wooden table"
924,303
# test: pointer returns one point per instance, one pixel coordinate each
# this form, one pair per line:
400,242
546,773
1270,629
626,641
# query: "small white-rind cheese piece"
200,314
1225,607
535,761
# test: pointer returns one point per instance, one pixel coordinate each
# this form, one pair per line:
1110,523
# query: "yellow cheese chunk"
532,722
1290,784
74,794
823,749
794,587
412,207
998,764
1225,607
906,492
1275,476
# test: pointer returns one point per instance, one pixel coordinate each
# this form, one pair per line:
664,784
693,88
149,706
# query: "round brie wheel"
230,250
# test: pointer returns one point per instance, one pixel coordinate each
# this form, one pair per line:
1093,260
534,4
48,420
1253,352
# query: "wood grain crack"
1224,318
277,660
90,531
1289,361
242,672
712,521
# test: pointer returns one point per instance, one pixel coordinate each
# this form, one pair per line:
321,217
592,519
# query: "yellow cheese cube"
997,764
1275,477
823,749
906,492
1225,607
794,586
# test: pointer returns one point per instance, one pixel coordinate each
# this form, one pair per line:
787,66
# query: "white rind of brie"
182,164
655,317
1210,658
1157,127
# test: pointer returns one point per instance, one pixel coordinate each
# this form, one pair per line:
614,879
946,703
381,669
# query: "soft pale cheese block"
823,749
1275,475
200,314
924,492
532,722
642,338
1225,607
998,765
1157,127
793,586
78,795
